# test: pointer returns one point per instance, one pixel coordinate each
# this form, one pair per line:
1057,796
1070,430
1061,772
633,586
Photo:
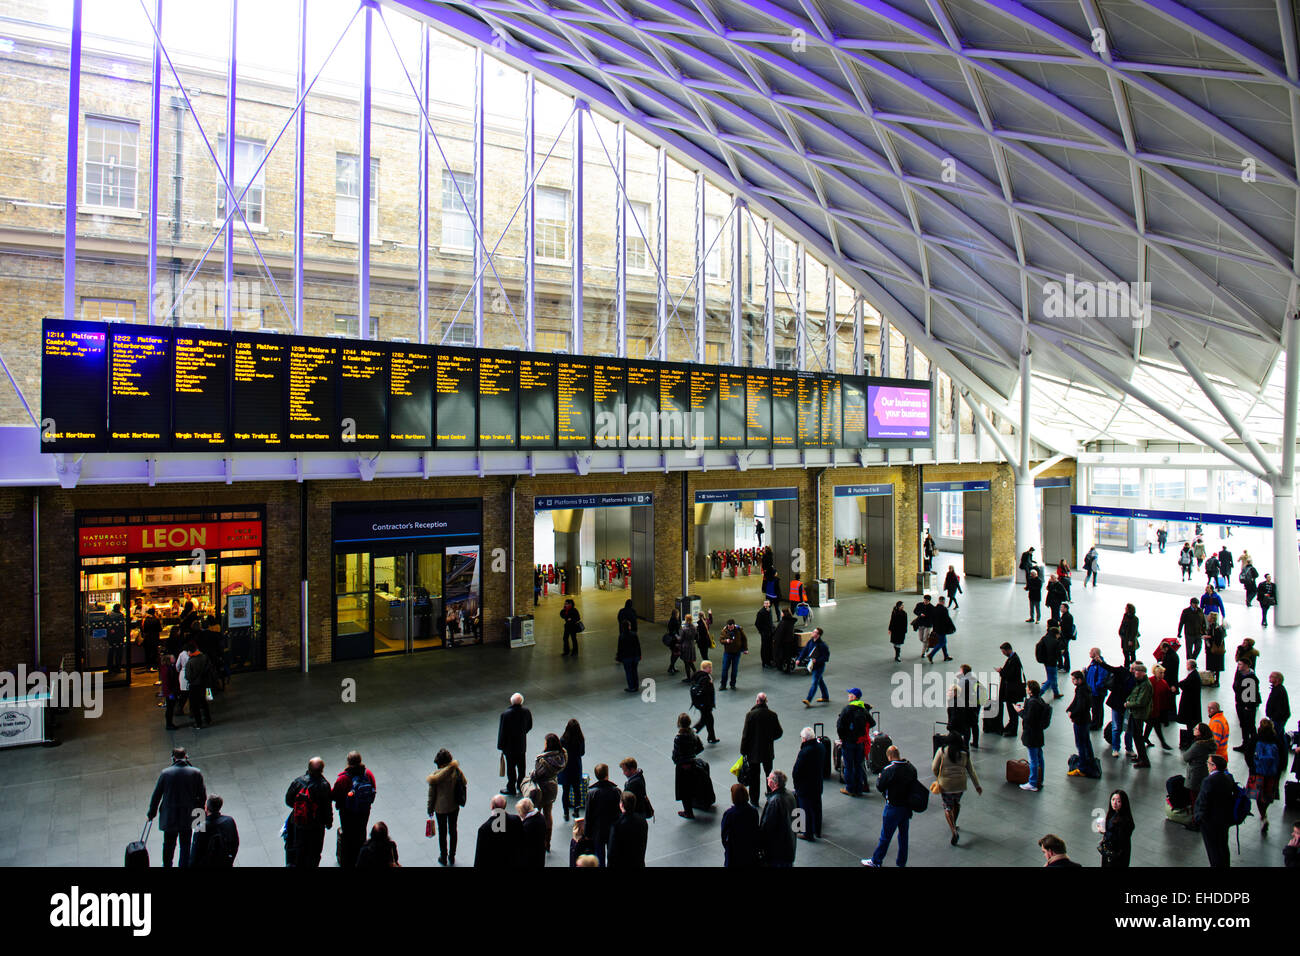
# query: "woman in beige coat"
544,788
951,767
444,805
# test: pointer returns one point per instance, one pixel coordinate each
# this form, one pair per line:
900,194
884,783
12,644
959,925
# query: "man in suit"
627,839
763,623
1011,690
762,729
499,838
532,835
603,803
1214,811
512,741
178,793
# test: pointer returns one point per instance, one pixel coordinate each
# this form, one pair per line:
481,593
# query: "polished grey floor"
80,803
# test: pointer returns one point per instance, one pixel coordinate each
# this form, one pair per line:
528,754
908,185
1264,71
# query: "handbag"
738,767
579,627
935,788
430,827
501,767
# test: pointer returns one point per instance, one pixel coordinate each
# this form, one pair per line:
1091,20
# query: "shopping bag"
430,827
737,766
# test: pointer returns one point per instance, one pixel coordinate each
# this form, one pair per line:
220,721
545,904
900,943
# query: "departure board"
832,430
573,403
498,401
785,411
74,386
258,410
410,397
363,396
758,410
731,409
853,403
313,391
201,390
676,429
608,381
809,398
537,403
642,405
139,388
454,391
704,407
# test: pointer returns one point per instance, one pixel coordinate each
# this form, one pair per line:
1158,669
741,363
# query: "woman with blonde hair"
951,766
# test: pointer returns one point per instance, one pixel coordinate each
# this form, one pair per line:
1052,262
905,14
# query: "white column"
1026,501
1286,571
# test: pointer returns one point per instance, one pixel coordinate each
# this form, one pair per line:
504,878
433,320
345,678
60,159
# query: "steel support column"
579,142
363,230
1286,572
422,190
769,295
620,243
661,253
701,254
884,346
738,215
299,175
70,187
1026,500
800,306
530,212
480,233
232,201
155,116
859,338
832,321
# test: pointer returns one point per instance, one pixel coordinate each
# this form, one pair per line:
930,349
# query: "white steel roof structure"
953,158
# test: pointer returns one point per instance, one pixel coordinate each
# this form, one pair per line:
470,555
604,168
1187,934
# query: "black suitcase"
1292,794
704,795
137,853
820,731
876,759
940,739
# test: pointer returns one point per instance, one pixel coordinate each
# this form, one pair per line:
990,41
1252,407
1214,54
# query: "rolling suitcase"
1017,771
876,759
820,731
137,852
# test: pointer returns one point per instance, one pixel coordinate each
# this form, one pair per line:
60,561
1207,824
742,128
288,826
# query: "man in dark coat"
1189,697
852,727
1214,811
309,798
763,622
1278,708
178,793
1245,690
628,614
895,785
628,837
603,802
354,793
499,838
775,831
532,835
1225,565
1037,716
1191,627
785,645
628,653
762,729
634,784
216,843
1034,585
1011,690
704,698
512,741
806,775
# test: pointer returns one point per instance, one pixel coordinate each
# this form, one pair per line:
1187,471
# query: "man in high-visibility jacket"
1219,727
796,590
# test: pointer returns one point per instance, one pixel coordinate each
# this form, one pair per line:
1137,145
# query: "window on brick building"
248,159
108,310
784,358
713,247
349,326
715,354
638,348
457,210
112,150
347,192
639,236
462,333
783,261
552,223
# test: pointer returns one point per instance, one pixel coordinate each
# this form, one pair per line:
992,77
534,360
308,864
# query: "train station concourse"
658,416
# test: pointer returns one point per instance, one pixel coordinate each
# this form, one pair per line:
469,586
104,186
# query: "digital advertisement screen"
313,391
363,396
898,412
74,386
573,403
704,406
608,400
258,410
454,390
642,405
536,403
785,411
139,388
731,409
758,410
498,401
201,390
410,397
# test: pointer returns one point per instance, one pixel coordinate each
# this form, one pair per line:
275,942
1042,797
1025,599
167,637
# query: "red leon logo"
171,538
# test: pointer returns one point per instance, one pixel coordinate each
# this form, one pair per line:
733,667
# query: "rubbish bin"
688,605
821,592
520,630
924,582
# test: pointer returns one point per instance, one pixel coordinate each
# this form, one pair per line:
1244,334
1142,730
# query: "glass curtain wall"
553,209
600,196
504,306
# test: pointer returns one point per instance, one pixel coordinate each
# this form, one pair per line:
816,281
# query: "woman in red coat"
1162,708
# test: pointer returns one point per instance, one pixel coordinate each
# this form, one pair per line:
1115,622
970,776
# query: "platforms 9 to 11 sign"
113,387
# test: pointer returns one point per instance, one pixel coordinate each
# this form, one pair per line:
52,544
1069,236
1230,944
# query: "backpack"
1240,806
1266,760
362,795
215,852
461,789
918,798
697,693
1098,684
304,811
855,723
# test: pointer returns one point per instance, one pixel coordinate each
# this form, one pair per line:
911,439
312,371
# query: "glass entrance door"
407,602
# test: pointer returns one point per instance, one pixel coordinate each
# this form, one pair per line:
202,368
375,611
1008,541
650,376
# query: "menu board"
808,396
758,410
676,429
573,403
139,388
704,407
608,381
454,388
363,396
74,386
853,403
830,407
201,390
498,401
313,391
642,405
537,403
785,411
258,410
410,397
731,409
